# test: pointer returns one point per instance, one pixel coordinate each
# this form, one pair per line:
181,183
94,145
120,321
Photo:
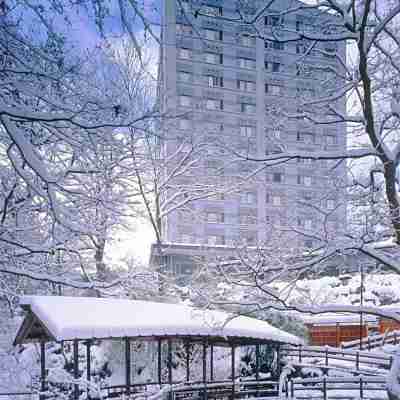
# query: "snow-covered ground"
379,289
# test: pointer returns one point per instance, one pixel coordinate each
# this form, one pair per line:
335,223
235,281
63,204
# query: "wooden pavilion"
81,321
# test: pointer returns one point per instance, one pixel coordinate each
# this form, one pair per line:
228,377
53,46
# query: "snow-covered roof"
334,318
67,318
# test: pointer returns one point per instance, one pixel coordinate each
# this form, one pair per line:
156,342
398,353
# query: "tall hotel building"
235,88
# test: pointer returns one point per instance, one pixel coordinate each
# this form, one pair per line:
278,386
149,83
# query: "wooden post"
212,363
300,359
337,335
358,360
187,348
159,366
233,369
128,364
361,388
278,357
257,362
76,367
169,361
204,362
324,388
326,355
42,369
88,368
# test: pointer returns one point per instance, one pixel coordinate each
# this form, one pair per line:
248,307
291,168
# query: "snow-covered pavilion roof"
68,318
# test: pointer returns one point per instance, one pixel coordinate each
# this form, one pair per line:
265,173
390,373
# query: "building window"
185,7
211,34
276,200
305,161
274,90
247,40
330,204
276,67
277,177
215,81
186,238
185,124
248,108
247,219
248,198
247,86
272,20
307,196
247,63
308,244
215,240
230,242
299,26
215,217
182,29
330,52
184,76
247,131
211,11
249,240
214,127
305,223
277,134
306,137
214,58
300,49
212,104
274,44
186,54
185,101
304,180
330,139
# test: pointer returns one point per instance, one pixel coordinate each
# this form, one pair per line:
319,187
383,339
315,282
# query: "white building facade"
235,91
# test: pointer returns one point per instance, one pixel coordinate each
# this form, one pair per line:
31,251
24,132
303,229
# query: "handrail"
373,341
329,353
325,384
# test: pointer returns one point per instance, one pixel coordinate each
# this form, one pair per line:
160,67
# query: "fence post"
43,385
300,359
369,344
291,389
390,362
358,360
324,388
326,355
361,388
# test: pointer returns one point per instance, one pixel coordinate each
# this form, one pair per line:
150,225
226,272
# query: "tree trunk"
101,270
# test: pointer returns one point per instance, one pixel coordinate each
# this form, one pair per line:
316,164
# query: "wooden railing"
309,388
357,387
373,341
9,395
330,354
227,390
217,390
